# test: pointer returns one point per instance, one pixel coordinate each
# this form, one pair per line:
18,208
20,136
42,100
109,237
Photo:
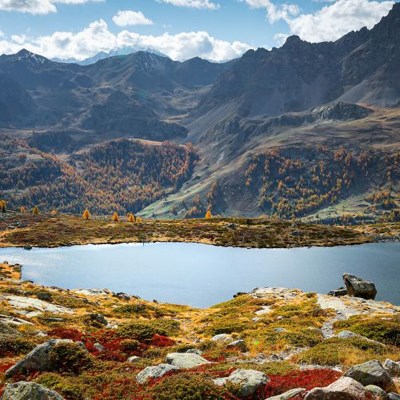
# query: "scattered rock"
343,389
122,296
133,359
394,396
359,287
377,392
29,391
222,337
194,351
93,292
98,347
338,292
37,360
154,372
371,373
290,394
264,310
97,319
392,367
248,380
186,360
347,335
237,344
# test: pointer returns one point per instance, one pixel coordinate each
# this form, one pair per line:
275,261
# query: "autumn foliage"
208,214
86,215
35,210
131,218
115,217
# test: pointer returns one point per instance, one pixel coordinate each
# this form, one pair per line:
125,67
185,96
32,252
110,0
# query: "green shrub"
14,346
70,358
188,387
145,330
61,386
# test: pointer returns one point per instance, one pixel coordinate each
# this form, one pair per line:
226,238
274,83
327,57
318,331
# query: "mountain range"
306,130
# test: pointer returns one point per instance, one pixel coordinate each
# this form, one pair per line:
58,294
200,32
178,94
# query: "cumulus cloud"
205,4
330,22
128,17
339,18
37,7
274,12
97,37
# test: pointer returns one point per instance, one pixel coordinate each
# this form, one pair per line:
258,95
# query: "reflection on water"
202,275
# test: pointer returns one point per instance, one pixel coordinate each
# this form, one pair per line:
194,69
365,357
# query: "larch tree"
208,214
86,215
35,210
115,217
131,218
3,206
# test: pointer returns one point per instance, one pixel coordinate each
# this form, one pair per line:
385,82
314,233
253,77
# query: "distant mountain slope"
362,66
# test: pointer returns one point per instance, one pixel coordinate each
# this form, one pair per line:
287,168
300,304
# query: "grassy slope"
151,330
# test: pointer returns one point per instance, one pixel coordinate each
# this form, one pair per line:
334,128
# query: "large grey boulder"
290,394
377,392
248,380
186,360
154,372
359,287
343,389
29,391
222,337
37,360
371,373
392,367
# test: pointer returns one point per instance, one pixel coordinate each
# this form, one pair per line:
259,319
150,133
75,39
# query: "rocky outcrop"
359,287
248,380
29,391
338,292
154,372
186,360
38,359
343,389
371,373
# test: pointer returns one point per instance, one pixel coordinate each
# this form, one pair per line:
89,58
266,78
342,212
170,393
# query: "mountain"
124,51
307,130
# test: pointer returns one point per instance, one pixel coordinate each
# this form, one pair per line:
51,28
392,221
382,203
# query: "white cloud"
274,12
37,7
205,4
335,20
330,22
127,17
97,37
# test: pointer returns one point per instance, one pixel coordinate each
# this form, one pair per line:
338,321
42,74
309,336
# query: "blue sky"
213,29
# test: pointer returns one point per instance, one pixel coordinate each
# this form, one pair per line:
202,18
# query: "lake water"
202,275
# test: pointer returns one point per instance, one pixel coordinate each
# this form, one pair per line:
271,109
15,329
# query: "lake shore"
26,230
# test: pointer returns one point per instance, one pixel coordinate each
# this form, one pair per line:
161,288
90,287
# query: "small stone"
98,347
222,337
154,372
186,360
288,395
237,344
133,359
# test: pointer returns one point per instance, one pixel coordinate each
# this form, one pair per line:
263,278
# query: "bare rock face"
29,391
343,389
371,373
185,360
154,372
359,287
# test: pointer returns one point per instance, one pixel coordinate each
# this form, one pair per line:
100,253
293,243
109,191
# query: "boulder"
186,360
194,351
377,392
29,391
344,388
338,292
359,287
347,335
154,372
290,394
37,360
248,380
371,373
392,367
394,396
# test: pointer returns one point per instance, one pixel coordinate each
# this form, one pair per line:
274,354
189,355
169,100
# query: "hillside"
99,344
307,130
